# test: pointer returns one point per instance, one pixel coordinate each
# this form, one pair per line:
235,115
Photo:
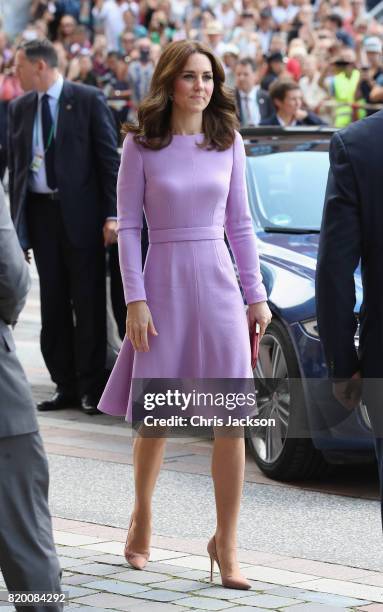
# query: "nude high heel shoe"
135,559
227,581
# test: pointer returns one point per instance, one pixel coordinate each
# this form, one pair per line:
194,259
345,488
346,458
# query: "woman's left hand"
259,313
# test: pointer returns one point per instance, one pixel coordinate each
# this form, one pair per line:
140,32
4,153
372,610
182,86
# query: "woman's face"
193,88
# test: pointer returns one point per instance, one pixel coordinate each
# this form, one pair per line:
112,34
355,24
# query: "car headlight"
311,328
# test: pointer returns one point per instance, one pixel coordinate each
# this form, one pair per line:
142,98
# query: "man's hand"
110,232
349,392
301,114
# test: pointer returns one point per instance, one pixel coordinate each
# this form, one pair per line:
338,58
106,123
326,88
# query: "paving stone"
74,539
140,577
98,569
248,609
159,554
180,584
75,591
160,595
221,592
276,576
118,587
204,603
313,607
108,600
116,548
80,579
171,570
257,585
348,589
86,609
374,578
76,553
108,559
112,548
198,562
69,562
157,606
266,601
195,574
325,598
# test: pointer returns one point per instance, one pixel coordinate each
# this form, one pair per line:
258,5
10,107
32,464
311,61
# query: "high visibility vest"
345,89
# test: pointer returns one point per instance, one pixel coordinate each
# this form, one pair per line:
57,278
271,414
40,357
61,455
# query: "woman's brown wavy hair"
154,113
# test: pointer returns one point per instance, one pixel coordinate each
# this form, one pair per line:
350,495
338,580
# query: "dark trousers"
116,290
73,300
373,398
28,557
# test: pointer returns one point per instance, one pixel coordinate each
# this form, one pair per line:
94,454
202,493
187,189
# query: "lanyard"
52,130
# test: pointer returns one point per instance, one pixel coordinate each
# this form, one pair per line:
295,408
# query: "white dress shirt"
283,124
250,110
37,181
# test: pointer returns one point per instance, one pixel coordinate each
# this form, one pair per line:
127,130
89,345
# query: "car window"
287,189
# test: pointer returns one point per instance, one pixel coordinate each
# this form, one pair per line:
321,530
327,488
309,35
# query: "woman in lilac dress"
184,165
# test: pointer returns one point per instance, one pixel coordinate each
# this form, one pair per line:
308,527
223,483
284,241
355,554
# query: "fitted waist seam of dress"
176,234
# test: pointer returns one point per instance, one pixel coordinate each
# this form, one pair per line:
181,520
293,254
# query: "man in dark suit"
253,104
287,99
28,557
63,166
352,228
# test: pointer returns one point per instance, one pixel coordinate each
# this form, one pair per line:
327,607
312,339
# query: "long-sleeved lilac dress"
190,196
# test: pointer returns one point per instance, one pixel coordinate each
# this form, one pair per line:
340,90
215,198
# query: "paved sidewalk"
97,577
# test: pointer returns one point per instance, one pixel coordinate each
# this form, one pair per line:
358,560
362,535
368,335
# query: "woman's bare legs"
147,459
228,469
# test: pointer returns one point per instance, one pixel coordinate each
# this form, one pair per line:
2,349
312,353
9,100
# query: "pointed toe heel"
227,581
135,559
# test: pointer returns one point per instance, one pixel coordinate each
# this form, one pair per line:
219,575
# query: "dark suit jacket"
86,161
352,228
311,119
264,103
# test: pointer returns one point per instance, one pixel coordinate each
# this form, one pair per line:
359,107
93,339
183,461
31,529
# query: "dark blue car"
286,176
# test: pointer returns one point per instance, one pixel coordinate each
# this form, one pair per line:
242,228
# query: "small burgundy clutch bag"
254,342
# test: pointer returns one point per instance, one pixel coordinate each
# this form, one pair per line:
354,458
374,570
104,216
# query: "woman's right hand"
138,322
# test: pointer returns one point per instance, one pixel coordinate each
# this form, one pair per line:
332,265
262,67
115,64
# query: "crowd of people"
329,50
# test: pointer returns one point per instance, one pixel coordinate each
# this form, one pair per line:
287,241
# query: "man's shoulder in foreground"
372,125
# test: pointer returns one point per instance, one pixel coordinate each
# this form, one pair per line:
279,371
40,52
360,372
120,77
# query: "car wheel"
279,456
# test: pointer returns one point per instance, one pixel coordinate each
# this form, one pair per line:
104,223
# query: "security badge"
36,162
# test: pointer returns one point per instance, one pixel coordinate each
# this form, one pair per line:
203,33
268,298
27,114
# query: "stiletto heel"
135,559
227,581
211,568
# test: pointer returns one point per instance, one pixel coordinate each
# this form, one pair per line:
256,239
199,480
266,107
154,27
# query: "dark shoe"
89,404
61,399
